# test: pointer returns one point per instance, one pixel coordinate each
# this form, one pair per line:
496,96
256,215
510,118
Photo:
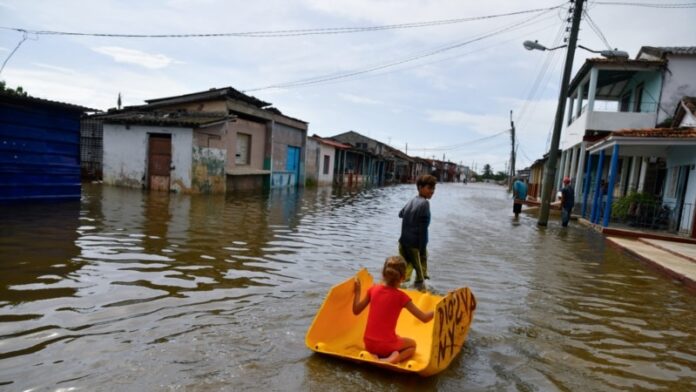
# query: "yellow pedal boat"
336,331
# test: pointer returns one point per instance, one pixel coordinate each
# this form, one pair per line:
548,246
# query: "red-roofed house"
608,95
676,147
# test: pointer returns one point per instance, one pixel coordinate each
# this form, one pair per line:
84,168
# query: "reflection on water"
130,290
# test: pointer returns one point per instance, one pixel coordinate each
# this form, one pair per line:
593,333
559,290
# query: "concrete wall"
324,150
677,157
257,131
125,155
208,170
679,81
284,136
312,161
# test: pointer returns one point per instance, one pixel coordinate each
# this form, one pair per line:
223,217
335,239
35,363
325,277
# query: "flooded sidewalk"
675,259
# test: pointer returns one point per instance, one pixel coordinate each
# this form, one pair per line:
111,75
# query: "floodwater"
135,291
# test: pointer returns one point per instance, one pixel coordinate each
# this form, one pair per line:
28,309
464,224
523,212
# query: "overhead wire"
401,69
289,32
330,77
461,144
648,5
541,76
596,29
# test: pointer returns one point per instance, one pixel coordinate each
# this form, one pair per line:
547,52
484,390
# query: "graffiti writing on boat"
454,315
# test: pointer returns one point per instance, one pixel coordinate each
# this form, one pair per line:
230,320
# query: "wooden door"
159,161
243,144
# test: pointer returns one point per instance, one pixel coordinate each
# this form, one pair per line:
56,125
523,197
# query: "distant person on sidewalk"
519,195
567,201
415,219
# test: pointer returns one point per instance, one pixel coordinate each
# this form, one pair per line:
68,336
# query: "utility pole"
511,174
550,171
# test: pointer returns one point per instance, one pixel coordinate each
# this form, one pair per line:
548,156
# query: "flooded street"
135,291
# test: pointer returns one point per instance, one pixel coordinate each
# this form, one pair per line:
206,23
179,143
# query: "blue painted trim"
613,168
597,194
586,184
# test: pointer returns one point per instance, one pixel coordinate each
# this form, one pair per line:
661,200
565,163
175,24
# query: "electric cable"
596,29
287,33
648,5
330,77
24,38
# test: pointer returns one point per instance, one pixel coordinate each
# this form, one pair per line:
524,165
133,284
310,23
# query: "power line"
487,47
462,144
596,29
649,5
541,76
331,77
24,38
287,33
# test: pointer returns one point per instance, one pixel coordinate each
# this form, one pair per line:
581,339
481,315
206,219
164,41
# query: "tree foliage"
15,91
488,174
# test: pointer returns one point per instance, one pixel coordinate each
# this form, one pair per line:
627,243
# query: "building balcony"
605,121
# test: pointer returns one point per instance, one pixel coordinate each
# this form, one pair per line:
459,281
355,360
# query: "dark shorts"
517,208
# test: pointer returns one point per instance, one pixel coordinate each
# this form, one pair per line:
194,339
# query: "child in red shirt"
387,301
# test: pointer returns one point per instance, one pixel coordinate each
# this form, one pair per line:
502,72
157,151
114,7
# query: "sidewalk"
675,259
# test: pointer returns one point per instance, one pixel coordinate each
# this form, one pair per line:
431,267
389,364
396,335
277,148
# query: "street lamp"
535,45
550,172
610,54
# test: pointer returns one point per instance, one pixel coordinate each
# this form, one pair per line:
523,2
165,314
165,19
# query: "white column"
643,170
578,109
594,73
633,176
580,176
559,172
624,175
573,162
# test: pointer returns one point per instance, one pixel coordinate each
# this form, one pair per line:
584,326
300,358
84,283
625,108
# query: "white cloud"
481,123
359,99
54,68
132,56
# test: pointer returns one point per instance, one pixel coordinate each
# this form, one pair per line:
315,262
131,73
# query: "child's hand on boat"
357,286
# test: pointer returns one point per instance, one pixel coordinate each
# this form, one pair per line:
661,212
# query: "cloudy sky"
437,78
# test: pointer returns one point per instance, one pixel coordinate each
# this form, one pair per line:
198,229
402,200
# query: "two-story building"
608,95
619,138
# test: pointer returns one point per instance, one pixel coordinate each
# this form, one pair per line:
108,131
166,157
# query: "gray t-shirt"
415,221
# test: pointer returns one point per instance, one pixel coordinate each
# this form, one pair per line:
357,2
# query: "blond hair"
394,270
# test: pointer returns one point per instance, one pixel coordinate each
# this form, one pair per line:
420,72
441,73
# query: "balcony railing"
653,216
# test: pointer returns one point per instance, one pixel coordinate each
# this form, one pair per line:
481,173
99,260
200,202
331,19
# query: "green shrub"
621,208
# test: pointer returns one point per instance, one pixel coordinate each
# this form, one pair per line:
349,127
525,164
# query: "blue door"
293,164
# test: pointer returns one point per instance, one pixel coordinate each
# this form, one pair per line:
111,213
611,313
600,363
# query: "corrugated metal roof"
228,92
332,143
657,132
662,51
9,98
182,119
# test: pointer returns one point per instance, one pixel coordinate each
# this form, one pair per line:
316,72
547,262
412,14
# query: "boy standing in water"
387,300
414,230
